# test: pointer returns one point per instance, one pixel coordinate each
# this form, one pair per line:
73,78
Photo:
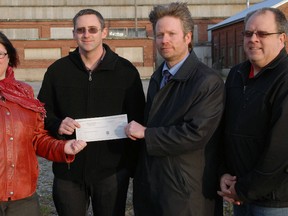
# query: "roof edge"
241,15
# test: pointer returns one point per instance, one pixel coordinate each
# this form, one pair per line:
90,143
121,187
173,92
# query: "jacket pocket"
178,176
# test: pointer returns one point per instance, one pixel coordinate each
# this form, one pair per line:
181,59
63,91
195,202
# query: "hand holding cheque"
102,128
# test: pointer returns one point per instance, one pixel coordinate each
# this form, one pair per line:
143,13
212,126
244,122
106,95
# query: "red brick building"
44,47
227,39
42,30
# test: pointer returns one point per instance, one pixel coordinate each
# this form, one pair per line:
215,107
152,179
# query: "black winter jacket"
115,88
256,137
181,118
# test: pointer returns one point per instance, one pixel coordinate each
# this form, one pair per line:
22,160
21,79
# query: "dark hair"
89,12
11,51
280,18
175,9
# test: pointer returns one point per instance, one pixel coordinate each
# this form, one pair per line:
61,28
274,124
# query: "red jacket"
22,136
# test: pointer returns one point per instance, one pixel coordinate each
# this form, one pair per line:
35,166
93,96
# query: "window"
195,34
240,54
231,56
209,33
127,32
222,57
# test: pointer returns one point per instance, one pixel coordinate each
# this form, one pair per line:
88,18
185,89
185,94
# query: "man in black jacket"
182,114
92,81
255,120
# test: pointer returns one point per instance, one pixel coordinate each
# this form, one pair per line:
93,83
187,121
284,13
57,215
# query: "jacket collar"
108,62
244,69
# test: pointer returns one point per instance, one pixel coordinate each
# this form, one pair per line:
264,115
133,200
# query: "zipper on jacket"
273,195
244,89
68,165
90,75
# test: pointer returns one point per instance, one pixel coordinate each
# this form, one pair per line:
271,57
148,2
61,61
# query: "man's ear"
104,32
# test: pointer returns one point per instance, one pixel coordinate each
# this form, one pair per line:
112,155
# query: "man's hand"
228,192
72,147
68,126
135,131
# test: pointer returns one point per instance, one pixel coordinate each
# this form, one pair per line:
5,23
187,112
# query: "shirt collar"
175,68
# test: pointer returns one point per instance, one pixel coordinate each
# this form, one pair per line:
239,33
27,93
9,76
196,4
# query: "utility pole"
247,3
136,21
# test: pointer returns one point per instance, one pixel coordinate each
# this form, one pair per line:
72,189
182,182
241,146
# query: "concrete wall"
111,9
109,12
111,2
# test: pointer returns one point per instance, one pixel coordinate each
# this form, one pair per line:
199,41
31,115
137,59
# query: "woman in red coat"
22,137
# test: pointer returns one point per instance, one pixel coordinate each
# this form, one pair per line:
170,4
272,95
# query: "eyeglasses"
91,30
259,34
2,55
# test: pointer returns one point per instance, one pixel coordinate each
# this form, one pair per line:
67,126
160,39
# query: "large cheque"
102,128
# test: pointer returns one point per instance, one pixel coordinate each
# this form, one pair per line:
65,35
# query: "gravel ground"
44,187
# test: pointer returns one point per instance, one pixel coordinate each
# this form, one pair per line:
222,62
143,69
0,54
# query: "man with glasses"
255,175
92,81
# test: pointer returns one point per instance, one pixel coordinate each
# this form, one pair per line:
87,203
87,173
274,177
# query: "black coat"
181,118
115,88
256,137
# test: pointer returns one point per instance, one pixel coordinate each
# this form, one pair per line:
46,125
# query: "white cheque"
102,128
